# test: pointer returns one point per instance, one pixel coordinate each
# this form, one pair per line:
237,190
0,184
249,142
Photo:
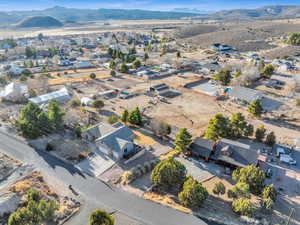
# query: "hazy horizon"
203,5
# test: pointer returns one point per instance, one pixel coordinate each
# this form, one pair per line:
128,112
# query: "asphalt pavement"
93,192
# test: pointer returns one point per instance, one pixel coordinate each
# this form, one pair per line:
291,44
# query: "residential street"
93,193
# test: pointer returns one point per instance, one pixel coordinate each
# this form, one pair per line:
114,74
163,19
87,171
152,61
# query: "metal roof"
61,96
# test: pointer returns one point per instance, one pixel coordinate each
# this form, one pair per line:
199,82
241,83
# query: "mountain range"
63,14
266,12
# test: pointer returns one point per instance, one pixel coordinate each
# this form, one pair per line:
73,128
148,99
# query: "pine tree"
255,108
271,139
55,115
135,117
183,139
125,115
260,133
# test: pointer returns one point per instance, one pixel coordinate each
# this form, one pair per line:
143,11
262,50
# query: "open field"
92,28
244,36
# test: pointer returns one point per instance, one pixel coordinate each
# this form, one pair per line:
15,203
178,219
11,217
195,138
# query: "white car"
287,159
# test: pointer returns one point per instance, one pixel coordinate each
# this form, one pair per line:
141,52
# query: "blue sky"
208,5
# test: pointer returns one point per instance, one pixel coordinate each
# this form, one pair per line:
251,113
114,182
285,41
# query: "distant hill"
191,10
267,12
84,15
39,21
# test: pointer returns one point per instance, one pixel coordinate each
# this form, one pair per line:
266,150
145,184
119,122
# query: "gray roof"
202,147
100,130
235,153
245,94
116,137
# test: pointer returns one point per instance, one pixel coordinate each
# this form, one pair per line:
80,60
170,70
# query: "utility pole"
290,216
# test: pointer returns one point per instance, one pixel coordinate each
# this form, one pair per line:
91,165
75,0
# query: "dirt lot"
189,110
67,206
249,36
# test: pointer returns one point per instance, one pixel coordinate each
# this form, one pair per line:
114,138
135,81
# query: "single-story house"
235,154
202,148
15,70
244,95
83,65
114,140
62,96
159,87
220,47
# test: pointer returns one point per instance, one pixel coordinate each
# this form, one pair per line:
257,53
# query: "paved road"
95,193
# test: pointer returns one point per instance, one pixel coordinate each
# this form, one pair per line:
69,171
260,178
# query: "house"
15,70
220,47
85,101
62,96
14,92
210,67
202,148
244,95
234,154
283,65
114,140
83,65
163,90
159,87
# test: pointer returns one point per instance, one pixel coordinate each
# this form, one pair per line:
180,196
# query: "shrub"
271,139
148,167
240,190
113,119
128,177
169,173
268,70
98,103
260,133
92,75
269,192
219,188
32,195
193,194
100,217
243,207
137,172
267,203
294,38
255,108
223,76
251,175
140,169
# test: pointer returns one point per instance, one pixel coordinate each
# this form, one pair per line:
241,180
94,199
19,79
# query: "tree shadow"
55,162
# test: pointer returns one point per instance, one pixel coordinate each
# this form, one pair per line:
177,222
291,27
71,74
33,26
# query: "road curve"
95,193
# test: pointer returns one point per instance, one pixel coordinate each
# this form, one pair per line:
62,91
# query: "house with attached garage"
115,140
244,95
230,153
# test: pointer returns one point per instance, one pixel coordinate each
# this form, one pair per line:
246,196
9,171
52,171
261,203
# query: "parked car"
287,159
